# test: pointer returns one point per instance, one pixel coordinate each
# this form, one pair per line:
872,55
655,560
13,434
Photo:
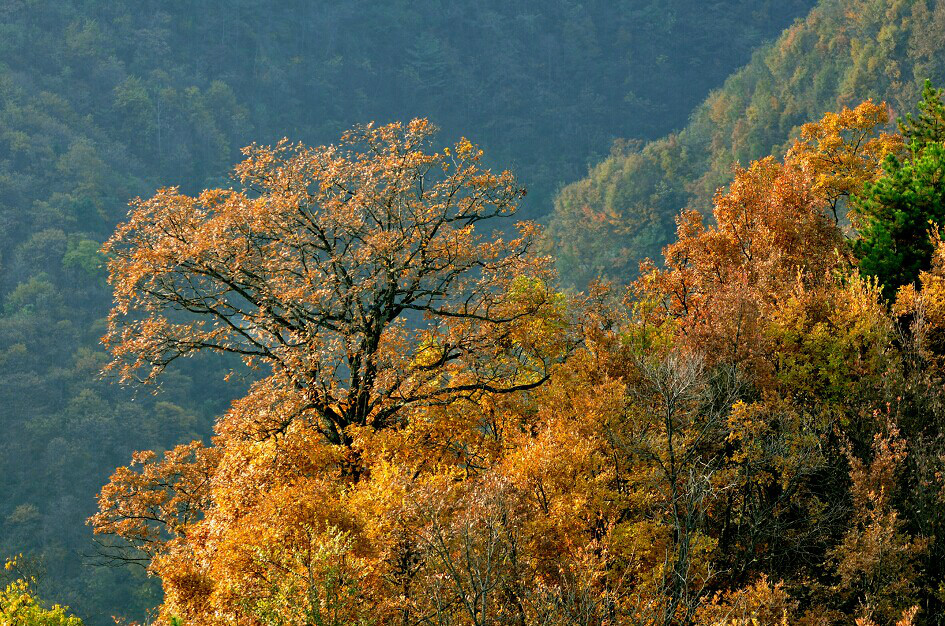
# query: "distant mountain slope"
843,52
101,101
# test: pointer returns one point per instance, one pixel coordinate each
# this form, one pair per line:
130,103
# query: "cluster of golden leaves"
924,304
19,605
843,151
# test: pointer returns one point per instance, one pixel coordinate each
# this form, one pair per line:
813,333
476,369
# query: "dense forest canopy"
751,434
753,429
104,101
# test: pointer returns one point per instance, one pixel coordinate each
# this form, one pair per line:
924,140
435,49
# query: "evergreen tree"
898,212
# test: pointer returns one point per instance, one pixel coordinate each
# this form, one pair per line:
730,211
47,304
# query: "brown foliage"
771,238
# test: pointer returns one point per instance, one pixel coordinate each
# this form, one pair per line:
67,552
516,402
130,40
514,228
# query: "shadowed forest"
423,313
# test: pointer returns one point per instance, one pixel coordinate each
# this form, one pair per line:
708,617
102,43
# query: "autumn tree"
358,273
680,414
769,290
737,440
844,150
777,229
875,561
771,233
359,276
147,507
923,304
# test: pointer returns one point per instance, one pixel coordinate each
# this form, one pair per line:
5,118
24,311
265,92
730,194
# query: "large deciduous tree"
357,272
390,326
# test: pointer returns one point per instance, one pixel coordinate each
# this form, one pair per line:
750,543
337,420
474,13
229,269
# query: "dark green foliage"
929,125
899,213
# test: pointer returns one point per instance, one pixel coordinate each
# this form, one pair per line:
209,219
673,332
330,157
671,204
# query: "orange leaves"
383,470
321,264
766,292
770,237
876,559
391,327
161,500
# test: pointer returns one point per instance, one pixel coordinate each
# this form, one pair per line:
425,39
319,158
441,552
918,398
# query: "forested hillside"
104,101
843,52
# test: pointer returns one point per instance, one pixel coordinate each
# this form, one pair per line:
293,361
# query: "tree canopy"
749,435
394,413
357,273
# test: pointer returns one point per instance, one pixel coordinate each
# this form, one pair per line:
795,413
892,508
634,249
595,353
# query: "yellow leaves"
844,150
467,150
428,354
877,558
922,306
379,470
321,582
20,607
759,604
929,300
743,428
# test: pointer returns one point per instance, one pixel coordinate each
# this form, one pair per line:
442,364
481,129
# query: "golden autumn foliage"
730,444
770,238
844,150
925,304
760,604
19,605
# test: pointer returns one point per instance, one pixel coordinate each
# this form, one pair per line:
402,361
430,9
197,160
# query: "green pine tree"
899,211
